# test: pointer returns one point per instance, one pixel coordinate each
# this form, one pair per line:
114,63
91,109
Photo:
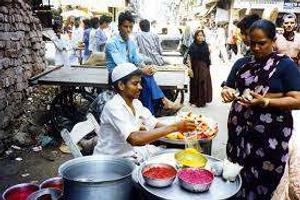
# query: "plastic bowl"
164,181
202,179
56,182
20,191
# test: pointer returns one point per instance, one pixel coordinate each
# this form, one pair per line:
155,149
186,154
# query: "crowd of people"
263,87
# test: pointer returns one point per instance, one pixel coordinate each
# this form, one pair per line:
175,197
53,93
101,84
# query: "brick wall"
21,57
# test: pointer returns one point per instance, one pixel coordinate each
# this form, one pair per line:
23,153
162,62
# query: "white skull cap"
289,16
122,70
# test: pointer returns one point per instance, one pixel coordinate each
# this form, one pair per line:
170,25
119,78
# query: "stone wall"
21,57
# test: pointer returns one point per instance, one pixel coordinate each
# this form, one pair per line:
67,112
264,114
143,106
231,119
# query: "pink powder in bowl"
196,176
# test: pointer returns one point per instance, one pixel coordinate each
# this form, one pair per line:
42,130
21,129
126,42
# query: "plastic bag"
231,170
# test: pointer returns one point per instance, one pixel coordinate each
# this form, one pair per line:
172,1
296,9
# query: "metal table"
97,76
220,189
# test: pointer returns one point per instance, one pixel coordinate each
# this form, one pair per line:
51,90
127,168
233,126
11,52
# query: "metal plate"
171,119
220,189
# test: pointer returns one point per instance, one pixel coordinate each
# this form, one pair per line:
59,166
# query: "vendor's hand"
228,94
143,128
186,126
258,100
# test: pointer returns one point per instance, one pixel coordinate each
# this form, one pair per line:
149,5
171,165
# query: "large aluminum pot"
97,177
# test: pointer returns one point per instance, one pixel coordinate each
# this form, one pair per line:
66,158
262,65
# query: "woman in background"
199,61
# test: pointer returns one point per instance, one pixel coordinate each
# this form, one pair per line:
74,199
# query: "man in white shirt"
61,48
76,41
127,127
77,32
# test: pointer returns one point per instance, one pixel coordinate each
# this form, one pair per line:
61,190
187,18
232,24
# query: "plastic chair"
80,130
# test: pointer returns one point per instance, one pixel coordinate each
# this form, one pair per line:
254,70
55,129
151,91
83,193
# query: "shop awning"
75,13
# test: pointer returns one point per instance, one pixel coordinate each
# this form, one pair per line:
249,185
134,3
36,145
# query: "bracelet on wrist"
266,102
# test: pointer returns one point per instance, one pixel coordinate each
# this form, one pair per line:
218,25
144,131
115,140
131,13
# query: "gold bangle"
266,102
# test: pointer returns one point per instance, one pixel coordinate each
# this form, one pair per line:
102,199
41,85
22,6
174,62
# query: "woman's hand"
228,94
185,126
258,100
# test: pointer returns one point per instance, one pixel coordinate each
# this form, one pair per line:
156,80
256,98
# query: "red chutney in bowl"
159,172
196,176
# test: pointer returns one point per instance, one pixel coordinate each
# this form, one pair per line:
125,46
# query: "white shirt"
77,35
61,51
117,123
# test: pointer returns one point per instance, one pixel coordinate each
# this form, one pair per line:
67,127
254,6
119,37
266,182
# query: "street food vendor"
127,127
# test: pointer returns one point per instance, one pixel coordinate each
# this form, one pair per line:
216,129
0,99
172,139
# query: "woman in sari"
260,123
200,82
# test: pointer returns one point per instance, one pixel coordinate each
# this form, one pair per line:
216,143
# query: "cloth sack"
96,58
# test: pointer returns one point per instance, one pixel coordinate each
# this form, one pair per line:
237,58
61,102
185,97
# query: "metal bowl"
159,182
20,191
46,194
195,187
56,183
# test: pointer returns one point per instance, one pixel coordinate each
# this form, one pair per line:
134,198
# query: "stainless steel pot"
97,177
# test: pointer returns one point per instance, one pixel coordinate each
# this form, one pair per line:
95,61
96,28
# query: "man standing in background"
100,36
289,42
149,44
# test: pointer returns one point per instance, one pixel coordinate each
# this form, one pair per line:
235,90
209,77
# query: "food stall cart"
80,85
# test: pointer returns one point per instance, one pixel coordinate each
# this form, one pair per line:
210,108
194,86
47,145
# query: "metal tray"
171,119
220,189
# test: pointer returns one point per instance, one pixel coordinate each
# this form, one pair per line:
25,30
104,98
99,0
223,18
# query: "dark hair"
197,32
57,25
77,18
86,22
266,26
105,19
123,16
246,22
94,22
145,25
125,79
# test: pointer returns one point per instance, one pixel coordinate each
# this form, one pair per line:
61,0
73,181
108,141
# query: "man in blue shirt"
121,49
101,38
86,35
